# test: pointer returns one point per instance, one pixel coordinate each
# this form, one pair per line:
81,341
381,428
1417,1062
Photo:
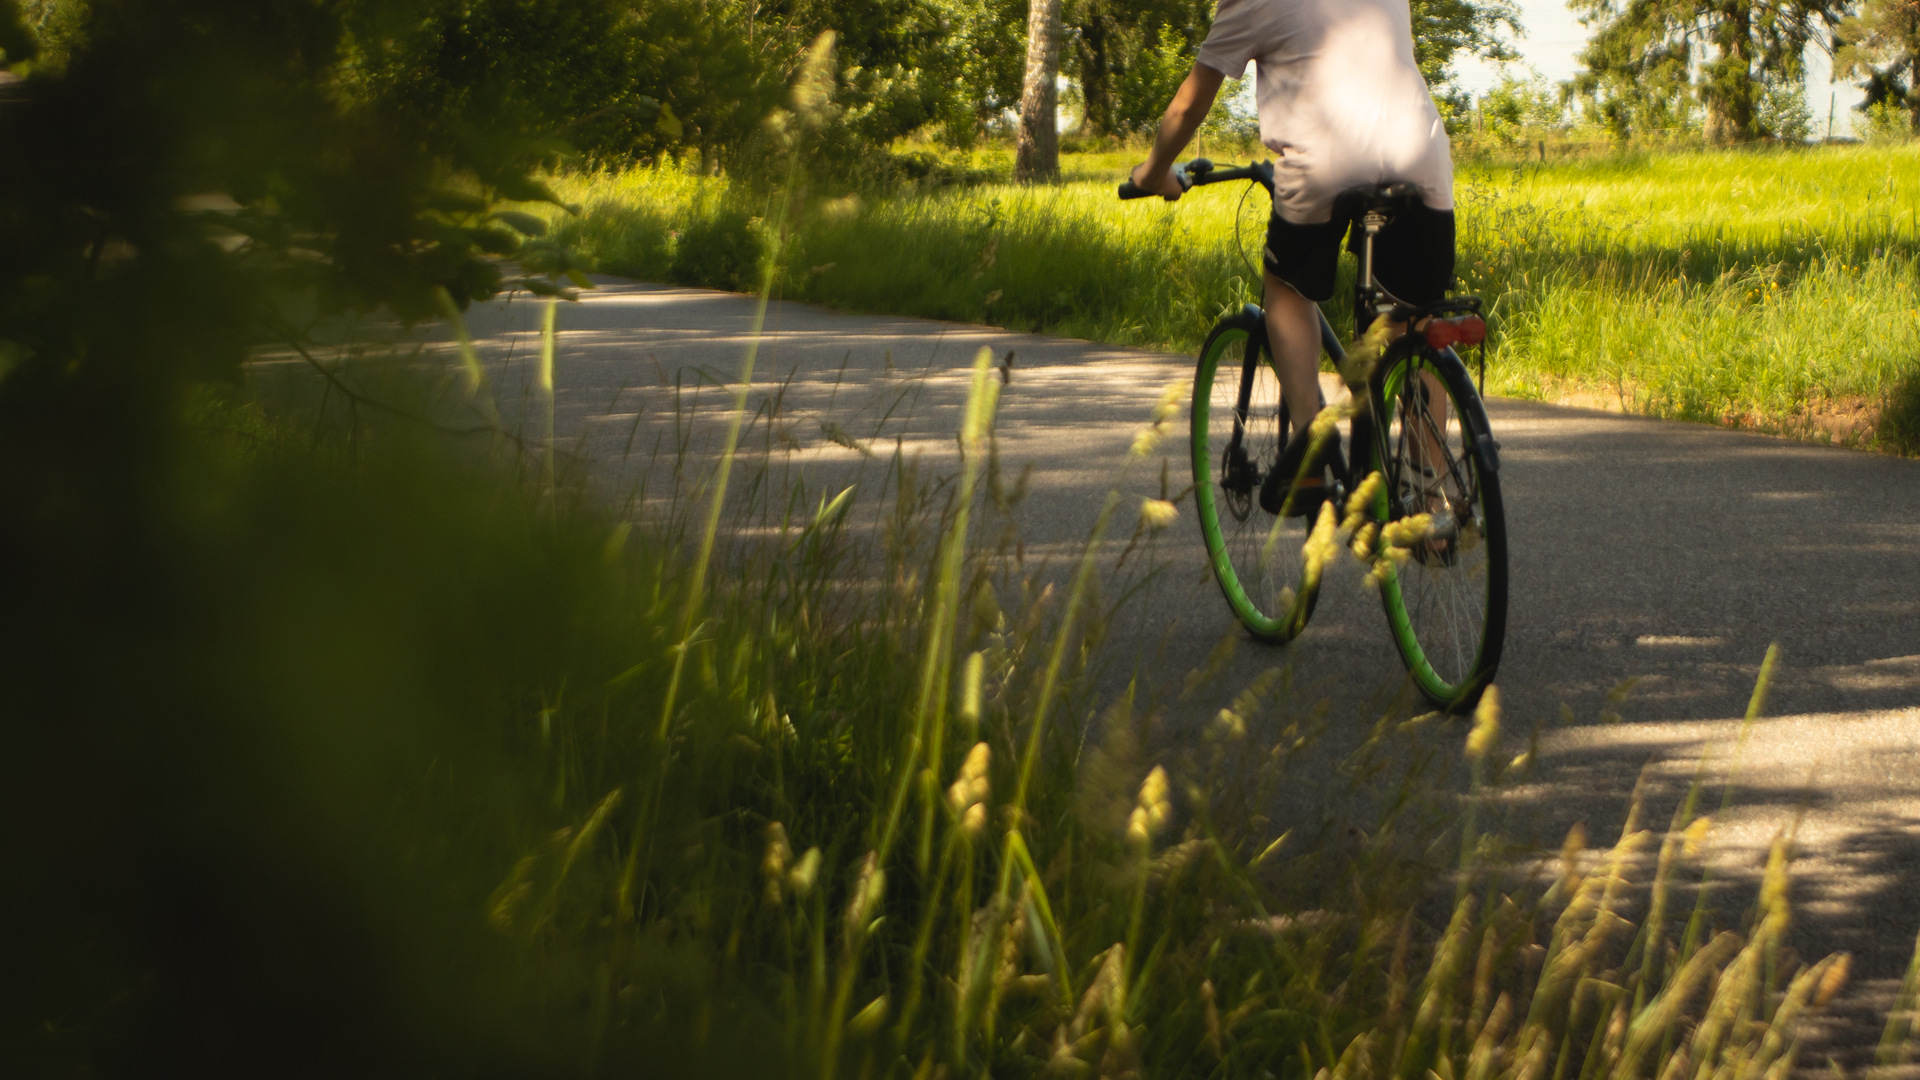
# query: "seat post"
1373,221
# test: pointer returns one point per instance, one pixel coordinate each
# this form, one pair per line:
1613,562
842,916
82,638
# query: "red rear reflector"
1464,330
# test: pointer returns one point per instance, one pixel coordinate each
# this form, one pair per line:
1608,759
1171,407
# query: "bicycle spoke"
1239,429
1446,593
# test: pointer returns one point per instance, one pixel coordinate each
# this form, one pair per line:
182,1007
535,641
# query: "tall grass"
1648,281
874,844
1128,909
882,833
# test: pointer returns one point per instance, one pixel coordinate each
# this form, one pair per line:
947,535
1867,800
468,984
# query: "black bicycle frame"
1369,297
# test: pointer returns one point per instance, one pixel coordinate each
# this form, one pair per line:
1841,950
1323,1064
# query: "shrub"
1898,428
720,251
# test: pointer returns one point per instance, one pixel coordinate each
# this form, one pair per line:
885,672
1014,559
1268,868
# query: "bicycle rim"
1447,603
1256,557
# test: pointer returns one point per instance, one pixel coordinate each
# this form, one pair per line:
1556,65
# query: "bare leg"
1430,439
1427,443
1293,332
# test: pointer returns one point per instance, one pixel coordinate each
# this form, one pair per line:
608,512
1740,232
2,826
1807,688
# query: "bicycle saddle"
1385,198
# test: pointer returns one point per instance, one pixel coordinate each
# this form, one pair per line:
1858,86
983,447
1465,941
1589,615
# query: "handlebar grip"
1131,190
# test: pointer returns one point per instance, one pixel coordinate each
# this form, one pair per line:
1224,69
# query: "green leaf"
16,41
494,241
669,124
456,202
522,222
517,188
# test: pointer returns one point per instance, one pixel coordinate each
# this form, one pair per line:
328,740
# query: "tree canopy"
1651,63
1880,44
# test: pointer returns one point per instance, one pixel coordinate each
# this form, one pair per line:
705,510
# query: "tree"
984,37
1120,50
1881,45
1516,108
1037,148
1445,29
1748,54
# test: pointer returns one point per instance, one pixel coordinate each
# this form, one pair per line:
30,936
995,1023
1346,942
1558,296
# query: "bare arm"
1190,105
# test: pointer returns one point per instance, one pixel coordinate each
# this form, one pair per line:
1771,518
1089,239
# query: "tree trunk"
1096,80
1913,94
1036,155
1731,92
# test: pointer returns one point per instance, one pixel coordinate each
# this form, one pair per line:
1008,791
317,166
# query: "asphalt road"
1666,552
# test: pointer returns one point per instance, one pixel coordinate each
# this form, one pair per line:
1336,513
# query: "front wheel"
1239,426
1446,598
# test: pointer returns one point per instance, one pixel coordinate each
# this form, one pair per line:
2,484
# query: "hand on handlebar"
1170,187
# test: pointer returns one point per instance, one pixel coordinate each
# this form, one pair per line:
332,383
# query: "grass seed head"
868,1020
801,878
1157,514
1486,725
868,890
970,691
1833,979
1570,850
972,786
1695,838
1169,406
1151,811
1360,503
1408,531
774,865
813,90
974,821
1382,572
1322,545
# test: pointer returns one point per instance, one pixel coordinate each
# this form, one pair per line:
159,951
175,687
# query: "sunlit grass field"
1769,288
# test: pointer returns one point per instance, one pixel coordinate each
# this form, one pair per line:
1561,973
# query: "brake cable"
1239,243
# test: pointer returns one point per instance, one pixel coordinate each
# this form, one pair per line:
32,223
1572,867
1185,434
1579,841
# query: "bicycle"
1421,489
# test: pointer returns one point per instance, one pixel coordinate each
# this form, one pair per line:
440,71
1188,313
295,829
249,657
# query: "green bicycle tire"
1447,613
1255,557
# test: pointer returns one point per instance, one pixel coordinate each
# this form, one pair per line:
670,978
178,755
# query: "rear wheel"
1447,600
1239,426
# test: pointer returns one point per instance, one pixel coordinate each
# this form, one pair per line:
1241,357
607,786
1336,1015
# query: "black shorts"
1412,255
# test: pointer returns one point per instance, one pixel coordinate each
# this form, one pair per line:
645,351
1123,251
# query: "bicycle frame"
1374,393
1402,426
1370,297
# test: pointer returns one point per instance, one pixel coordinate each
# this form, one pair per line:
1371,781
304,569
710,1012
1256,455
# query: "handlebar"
1200,172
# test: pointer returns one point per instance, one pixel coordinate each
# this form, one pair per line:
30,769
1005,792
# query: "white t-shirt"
1341,99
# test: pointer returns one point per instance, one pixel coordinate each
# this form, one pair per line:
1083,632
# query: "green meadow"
1771,289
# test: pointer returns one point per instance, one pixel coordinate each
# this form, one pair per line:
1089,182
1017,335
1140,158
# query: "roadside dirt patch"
1853,421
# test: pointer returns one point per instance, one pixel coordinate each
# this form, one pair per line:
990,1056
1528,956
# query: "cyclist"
1344,105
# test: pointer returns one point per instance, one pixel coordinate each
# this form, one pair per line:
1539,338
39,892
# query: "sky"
1554,37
